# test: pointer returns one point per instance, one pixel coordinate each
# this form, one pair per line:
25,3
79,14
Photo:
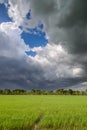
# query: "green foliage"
40,92
19,91
43,112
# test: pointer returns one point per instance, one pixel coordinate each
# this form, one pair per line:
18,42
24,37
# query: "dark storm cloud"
18,70
75,25
44,7
75,14
67,25
70,17
64,20
16,74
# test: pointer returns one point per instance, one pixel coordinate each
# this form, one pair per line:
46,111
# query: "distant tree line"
41,92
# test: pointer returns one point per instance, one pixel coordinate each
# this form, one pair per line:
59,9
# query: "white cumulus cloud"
55,64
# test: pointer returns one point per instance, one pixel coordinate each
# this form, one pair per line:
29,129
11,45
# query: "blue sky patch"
28,15
31,53
35,40
4,14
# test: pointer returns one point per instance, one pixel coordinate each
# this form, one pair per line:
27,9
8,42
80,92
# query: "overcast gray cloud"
65,22
51,68
20,74
1,1
59,64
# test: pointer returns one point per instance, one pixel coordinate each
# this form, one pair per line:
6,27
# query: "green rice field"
43,112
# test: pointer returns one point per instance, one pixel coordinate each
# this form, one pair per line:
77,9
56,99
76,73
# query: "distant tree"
83,93
1,91
36,92
19,91
60,91
78,93
7,91
44,92
70,91
65,92
50,92
40,92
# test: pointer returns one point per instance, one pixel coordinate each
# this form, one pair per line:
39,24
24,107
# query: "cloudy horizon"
43,44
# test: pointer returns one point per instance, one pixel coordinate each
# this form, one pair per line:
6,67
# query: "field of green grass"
43,112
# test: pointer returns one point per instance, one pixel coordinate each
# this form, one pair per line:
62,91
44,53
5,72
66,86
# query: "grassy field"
43,113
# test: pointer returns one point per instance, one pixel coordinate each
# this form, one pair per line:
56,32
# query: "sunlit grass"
47,112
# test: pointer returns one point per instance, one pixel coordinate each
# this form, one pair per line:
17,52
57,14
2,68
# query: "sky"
43,44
